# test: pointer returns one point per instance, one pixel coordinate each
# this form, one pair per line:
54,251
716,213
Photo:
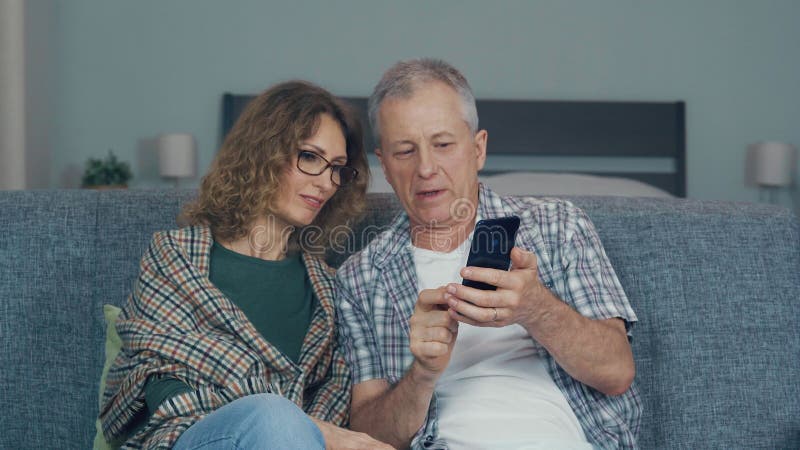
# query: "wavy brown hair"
243,181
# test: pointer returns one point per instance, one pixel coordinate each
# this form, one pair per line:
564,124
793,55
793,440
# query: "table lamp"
177,156
773,166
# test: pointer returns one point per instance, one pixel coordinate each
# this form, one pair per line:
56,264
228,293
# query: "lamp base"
775,197
771,192
174,181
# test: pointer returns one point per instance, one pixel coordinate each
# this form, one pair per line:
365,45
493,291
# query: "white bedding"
540,183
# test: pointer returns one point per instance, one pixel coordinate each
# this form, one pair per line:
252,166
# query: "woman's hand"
337,438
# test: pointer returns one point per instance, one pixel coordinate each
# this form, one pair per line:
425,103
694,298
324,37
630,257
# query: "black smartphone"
491,247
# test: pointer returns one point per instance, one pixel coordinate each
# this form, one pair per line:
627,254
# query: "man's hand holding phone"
433,332
516,299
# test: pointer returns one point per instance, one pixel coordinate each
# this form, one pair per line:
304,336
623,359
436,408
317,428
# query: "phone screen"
492,242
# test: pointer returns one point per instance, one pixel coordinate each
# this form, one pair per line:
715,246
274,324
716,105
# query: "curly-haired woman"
228,336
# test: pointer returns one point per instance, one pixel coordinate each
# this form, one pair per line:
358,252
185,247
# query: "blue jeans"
263,421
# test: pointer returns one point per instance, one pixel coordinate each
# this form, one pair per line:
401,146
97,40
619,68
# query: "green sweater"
276,296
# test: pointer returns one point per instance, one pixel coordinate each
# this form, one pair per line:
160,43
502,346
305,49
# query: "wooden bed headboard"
583,129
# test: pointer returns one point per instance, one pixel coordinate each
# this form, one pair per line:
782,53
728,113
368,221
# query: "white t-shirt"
496,393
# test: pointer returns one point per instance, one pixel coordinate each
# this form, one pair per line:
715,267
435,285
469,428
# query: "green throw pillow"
113,345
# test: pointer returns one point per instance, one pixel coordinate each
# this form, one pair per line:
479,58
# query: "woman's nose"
324,180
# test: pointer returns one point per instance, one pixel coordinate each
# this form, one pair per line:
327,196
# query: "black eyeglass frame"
333,167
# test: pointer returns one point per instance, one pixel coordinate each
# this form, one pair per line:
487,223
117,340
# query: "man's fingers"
479,297
431,319
464,319
437,334
520,260
475,313
495,277
430,299
444,334
426,349
523,259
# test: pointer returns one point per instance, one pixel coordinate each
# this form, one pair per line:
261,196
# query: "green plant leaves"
108,171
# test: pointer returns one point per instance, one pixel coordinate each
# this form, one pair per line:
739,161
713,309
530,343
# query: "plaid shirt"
177,323
376,291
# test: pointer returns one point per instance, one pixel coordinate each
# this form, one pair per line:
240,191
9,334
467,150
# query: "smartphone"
491,247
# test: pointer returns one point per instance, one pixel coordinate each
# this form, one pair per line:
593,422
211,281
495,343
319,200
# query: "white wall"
39,86
123,72
12,95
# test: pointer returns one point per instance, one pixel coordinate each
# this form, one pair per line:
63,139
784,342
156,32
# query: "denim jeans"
263,421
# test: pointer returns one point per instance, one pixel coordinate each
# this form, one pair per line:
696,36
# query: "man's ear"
481,138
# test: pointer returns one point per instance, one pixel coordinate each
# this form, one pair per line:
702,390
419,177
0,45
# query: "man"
542,362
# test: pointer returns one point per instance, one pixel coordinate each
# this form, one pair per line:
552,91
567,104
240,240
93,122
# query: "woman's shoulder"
317,264
193,242
183,237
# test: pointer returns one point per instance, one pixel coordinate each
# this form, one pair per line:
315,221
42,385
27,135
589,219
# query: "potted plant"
108,173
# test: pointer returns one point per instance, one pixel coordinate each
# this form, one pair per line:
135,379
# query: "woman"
228,336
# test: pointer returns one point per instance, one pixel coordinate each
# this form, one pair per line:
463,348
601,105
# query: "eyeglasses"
311,163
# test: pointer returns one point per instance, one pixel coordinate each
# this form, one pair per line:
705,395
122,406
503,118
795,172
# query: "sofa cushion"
48,365
716,286
112,347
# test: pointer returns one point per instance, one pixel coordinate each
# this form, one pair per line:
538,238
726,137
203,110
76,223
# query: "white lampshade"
177,155
774,163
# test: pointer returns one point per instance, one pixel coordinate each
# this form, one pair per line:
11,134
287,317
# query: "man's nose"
427,166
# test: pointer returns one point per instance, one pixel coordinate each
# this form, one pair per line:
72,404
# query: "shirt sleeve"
331,401
355,332
591,284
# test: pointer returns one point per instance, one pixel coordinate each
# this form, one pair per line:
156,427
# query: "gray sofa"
716,287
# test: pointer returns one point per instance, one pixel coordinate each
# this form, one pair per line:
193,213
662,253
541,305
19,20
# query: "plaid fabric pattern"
376,291
177,323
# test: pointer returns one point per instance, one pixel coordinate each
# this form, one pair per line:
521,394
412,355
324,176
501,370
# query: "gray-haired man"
542,362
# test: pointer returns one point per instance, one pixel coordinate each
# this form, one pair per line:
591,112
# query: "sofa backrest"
716,287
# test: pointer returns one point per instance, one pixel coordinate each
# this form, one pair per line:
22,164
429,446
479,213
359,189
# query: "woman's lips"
314,202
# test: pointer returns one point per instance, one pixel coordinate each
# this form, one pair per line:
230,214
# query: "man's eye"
443,144
404,153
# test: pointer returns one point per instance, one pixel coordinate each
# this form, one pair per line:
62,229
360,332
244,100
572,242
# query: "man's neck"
442,237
